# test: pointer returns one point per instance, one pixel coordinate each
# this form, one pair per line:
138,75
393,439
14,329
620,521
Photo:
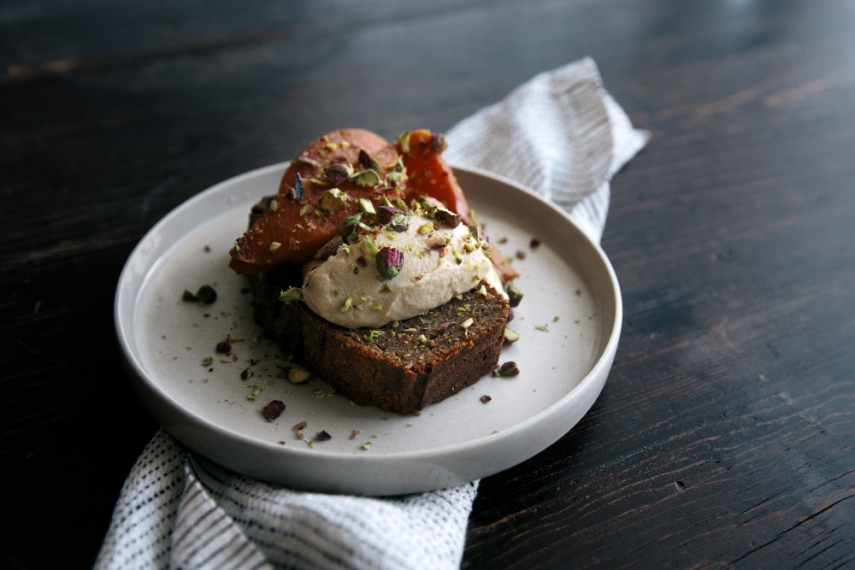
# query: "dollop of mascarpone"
438,265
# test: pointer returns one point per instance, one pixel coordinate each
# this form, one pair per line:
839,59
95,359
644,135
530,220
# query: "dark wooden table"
725,433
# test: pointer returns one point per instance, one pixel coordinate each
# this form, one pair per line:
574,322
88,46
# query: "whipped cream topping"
439,263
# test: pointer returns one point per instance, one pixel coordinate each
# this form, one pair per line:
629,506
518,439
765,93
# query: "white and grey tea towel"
559,134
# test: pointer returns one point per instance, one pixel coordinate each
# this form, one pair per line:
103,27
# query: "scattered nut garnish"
389,261
322,436
290,295
207,361
297,375
511,336
206,295
507,369
514,295
299,426
246,374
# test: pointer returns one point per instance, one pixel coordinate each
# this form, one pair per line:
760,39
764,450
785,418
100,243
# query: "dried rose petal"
534,243
390,261
223,348
485,398
273,410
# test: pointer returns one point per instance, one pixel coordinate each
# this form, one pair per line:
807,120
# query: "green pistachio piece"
514,295
290,295
404,139
365,206
332,200
367,178
297,375
368,247
511,336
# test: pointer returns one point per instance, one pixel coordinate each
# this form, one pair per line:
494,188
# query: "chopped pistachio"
365,206
389,261
297,375
274,246
290,295
507,369
367,178
366,446
514,294
467,323
346,306
332,200
511,336
386,288
207,361
404,141
306,161
368,248
377,307
394,177
237,247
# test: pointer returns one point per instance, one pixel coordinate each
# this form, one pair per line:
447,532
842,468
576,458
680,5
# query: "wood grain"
724,436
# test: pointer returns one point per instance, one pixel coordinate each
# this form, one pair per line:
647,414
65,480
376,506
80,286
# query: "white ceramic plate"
571,293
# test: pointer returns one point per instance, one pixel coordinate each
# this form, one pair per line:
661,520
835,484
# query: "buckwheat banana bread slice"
402,366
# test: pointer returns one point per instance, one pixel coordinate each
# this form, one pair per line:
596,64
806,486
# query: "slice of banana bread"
402,366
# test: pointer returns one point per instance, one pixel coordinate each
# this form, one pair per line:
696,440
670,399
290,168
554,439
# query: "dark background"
725,433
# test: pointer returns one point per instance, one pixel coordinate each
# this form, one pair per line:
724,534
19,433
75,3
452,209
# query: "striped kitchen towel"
559,134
